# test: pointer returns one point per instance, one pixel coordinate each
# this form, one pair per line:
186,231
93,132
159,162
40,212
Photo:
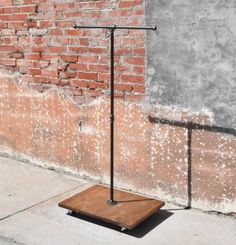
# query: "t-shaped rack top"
118,27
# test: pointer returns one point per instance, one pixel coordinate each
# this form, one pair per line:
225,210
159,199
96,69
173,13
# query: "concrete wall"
191,59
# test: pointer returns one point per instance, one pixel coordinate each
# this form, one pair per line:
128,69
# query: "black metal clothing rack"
129,209
112,29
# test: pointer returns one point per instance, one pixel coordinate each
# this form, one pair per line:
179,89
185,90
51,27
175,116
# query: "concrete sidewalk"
29,215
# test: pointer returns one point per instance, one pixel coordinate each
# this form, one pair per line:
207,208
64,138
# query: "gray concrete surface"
191,58
31,216
23,185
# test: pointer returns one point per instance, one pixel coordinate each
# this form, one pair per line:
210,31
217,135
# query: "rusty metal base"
130,210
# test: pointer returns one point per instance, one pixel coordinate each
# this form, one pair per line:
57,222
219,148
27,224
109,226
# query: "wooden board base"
130,210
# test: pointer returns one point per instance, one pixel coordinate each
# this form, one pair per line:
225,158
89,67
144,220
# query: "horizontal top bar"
118,27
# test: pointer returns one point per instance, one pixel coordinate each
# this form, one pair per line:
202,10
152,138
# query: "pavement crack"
40,203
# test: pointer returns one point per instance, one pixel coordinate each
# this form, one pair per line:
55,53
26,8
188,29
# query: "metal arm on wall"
112,29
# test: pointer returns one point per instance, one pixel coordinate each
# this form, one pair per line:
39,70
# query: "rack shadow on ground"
190,126
141,230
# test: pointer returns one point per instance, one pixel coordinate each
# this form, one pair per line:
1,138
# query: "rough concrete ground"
29,215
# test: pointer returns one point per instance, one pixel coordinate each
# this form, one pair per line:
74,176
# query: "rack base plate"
130,210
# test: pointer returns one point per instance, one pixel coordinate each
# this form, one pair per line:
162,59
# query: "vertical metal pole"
190,131
112,119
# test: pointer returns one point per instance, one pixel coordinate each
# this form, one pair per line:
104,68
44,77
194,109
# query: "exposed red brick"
99,68
124,87
105,77
80,67
75,32
33,56
92,93
18,17
137,41
3,25
30,24
10,10
46,79
128,3
56,32
94,85
88,59
7,48
57,49
123,52
69,58
16,24
119,12
39,35
45,7
28,9
16,55
8,62
34,71
48,23
49,57
76,49
134,97
64,82
138,89
98,50
38,49
68,74
63,23
74,14
4,55
139,12
79,83
25,2
84,41
139,69
5,2
64,6
135,61
5,17
139,52
49,73
87,75
133,78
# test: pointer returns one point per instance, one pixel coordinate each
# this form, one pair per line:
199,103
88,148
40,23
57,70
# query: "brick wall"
38,43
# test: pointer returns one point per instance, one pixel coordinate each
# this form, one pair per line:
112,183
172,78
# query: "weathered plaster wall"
191,59
53,130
